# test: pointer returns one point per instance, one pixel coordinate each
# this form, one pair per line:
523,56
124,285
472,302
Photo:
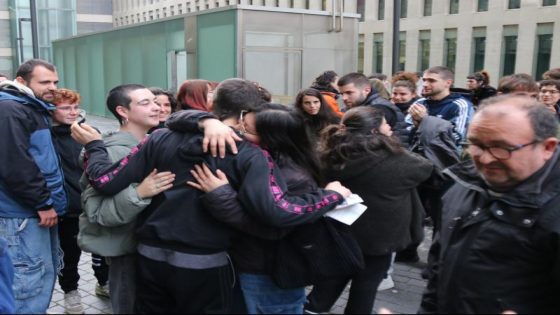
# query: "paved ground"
404,298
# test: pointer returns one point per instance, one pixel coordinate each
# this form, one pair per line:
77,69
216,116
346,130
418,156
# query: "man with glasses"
499,246
549,95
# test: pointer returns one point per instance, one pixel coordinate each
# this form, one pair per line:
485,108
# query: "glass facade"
55,19
450,48
509,49
478,48
377,53
548,2
543,49
424,50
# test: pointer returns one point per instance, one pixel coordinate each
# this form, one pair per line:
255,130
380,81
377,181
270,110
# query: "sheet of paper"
350,200
347,214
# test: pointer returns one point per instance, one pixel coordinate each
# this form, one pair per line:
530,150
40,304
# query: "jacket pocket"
28,278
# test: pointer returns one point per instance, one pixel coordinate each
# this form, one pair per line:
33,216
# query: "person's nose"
486,158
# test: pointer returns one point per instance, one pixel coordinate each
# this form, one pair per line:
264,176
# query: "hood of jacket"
14,85
23,92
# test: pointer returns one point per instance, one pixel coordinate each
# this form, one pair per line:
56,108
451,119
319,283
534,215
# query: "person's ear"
367,89
550,146
20,80
122,111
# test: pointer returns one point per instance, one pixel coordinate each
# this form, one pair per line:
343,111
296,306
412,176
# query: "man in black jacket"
356,90
499,246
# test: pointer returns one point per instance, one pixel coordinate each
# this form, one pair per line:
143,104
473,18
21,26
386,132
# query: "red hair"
193,94
66,96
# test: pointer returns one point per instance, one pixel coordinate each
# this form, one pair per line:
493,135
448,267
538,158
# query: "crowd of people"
214,199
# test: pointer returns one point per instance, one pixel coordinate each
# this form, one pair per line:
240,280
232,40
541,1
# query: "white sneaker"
386,284
73,303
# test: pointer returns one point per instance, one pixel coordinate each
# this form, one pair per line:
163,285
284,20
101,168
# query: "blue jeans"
36,256
263,296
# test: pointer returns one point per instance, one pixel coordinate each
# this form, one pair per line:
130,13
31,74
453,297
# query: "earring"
125,121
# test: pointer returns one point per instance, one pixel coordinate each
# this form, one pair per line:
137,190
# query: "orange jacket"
331,101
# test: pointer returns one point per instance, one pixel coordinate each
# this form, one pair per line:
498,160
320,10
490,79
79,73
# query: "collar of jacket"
535,192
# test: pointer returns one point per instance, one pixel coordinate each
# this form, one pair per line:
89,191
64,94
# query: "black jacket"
254,251
69,151
392,113
435,141
176,219
387,184
495,251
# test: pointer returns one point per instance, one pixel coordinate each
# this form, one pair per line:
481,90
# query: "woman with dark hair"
282,133
196,94
326,83
362,154
479,84
167,103
403,94
311,104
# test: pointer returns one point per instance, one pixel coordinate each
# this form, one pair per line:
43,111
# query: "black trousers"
68,279
165,289
362,292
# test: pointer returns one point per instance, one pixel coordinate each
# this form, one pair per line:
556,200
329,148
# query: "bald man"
499,246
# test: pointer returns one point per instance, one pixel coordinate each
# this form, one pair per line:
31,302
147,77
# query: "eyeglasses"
549,92
501,153
244,125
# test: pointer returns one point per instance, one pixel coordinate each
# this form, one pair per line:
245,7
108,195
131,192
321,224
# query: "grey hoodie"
108,222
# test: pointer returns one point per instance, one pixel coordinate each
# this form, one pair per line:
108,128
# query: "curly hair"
66,96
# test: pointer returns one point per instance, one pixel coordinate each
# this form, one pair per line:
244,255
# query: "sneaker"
386,284
73,303
102,291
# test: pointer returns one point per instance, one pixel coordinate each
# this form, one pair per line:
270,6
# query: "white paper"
349,211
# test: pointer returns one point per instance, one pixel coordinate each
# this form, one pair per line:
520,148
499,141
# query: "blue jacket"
7,305
453,108
31,179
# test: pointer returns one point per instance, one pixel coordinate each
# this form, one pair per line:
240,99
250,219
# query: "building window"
361,9
453,6
514,4
428,7
424,51
381,10
361,54
482,6
402,51
377,53
478,48
543,49
509,49
450,48
548,2
404,9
